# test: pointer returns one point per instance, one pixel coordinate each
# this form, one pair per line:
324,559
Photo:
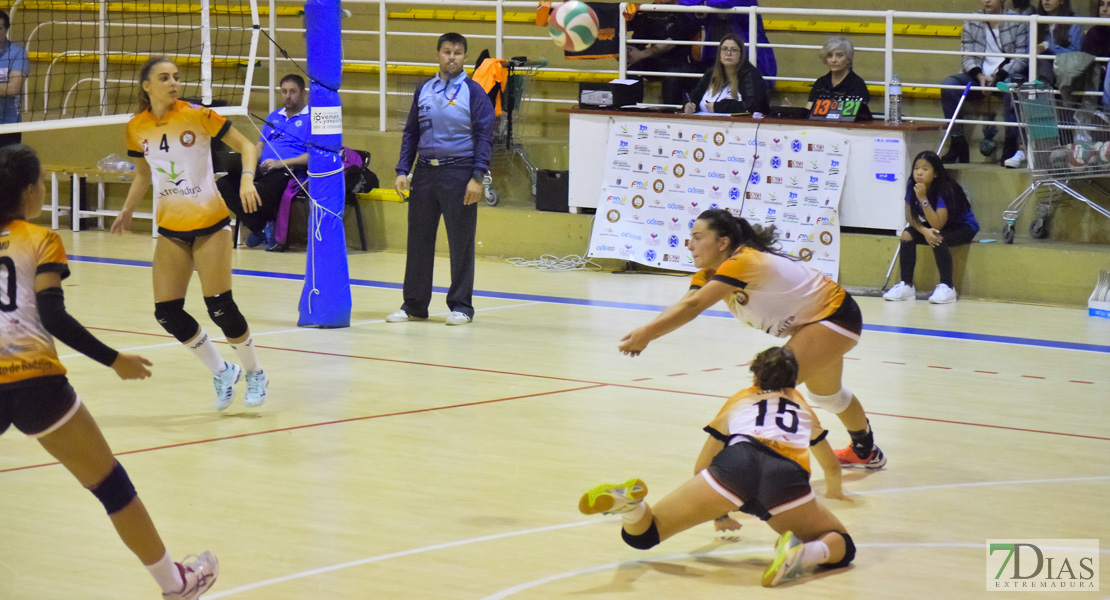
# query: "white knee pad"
834,403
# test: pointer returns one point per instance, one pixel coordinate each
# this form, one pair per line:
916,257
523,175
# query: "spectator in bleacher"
1055,39
731,85
838,55
1023,7
987,71
717,25
661,56
13,68
1096,42
939,215
282,154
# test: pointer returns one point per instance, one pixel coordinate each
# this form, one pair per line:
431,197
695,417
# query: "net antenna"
84,57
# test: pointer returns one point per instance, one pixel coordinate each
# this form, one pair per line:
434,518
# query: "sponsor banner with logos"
659,176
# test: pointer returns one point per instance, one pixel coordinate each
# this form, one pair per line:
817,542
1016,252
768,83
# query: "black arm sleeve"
61,325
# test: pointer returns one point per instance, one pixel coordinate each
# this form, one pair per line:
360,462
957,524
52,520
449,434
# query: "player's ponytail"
19,169
144,74
764,239
739,232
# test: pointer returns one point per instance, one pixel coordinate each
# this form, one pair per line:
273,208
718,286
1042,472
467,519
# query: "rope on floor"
550,263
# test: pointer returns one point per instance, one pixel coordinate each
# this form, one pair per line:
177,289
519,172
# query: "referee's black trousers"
440,191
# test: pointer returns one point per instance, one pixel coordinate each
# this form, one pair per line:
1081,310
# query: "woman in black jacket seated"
841,80
732,85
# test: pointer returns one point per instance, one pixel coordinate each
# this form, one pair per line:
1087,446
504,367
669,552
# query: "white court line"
414,551
673,557
295,330
374,559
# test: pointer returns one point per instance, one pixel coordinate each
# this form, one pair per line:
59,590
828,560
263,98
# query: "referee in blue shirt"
449,133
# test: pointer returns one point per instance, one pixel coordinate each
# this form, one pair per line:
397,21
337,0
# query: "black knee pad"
849,553
644,541
172,317
116,491
225,313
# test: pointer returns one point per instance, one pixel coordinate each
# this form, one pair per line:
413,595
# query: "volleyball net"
83,58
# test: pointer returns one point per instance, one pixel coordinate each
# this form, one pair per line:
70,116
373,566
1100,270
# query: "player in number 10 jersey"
35,394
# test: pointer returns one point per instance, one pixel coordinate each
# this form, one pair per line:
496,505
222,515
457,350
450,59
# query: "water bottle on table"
114,163
894,102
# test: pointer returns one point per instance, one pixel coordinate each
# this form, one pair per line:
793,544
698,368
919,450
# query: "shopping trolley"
521,72
1065,142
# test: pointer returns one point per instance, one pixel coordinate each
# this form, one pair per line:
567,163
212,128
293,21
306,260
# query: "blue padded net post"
326,297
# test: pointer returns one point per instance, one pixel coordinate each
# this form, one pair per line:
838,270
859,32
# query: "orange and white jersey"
26,349
775,293
177,148
781,419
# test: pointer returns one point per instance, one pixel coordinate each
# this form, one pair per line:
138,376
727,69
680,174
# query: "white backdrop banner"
659,176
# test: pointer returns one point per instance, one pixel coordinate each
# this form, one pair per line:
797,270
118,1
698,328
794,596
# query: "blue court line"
937,333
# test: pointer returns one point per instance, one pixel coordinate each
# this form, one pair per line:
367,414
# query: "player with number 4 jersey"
177,147
170,141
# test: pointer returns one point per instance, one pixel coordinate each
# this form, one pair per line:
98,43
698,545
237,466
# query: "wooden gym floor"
414,460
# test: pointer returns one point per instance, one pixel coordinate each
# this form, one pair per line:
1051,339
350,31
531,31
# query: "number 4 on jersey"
165,145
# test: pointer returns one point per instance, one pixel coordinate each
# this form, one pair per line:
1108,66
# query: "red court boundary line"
589,385
593,384
457,367
989,426
552,377
161,335
321,424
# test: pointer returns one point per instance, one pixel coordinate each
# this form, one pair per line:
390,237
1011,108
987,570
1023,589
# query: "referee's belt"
446,162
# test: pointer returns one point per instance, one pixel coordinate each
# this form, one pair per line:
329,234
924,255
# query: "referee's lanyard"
451,100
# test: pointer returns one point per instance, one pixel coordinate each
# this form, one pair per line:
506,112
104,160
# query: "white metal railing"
503,44
103,55
891,53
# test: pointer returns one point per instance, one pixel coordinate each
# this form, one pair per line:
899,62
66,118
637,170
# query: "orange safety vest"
493,77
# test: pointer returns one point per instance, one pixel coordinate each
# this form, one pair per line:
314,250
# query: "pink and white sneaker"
199,575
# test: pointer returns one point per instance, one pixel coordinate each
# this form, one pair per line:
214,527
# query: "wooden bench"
79,177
